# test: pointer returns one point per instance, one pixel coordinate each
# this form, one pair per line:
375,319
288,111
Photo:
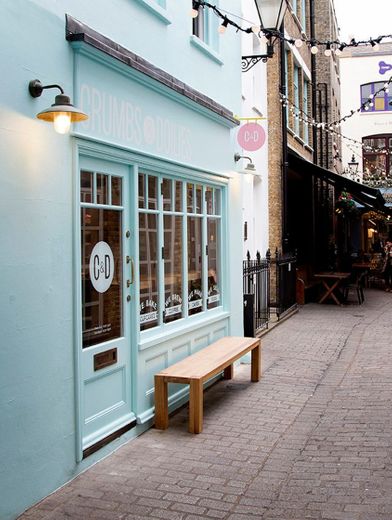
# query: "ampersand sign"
251,137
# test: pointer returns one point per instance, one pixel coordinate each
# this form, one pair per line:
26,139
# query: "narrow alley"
311,440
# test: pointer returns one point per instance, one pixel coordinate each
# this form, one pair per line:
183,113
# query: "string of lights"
331,46
366,105
330,128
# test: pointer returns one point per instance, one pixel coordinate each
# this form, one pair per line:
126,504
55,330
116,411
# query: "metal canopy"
370,198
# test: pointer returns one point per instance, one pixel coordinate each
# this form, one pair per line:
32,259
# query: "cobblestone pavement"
311,440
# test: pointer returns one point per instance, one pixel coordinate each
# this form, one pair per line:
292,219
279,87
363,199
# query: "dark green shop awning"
370,198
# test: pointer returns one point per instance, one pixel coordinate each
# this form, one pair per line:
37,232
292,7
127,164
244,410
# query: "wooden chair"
356,285
376,274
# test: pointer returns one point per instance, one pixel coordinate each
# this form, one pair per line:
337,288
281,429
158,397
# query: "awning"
370,198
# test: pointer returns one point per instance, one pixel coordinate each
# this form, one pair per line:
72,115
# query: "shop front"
153,257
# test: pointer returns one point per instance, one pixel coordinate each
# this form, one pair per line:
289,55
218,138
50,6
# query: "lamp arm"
36,88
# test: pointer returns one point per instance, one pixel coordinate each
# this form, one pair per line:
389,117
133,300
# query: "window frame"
368,155
374,87
184,214
157,8
208,42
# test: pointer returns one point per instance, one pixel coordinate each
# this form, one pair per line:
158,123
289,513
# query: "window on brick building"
376,155
380,102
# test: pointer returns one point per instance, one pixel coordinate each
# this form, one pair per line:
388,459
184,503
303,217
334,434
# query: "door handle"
130,261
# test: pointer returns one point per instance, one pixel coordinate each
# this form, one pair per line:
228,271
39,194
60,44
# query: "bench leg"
161,408
256,364
195,406
228,372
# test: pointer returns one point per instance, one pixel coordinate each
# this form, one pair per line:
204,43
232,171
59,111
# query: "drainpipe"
324,113
285,233
315,144
314,82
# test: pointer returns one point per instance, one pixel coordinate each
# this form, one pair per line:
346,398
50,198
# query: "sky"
363,18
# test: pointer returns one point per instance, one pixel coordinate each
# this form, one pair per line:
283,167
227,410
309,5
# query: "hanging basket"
345,205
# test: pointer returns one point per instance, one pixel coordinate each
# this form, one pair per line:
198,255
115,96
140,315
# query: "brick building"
301,197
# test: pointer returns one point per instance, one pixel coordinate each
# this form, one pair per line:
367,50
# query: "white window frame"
221,244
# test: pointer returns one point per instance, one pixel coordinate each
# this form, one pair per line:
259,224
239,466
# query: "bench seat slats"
213,358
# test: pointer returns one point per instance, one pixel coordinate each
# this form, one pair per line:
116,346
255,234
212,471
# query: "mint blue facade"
121,247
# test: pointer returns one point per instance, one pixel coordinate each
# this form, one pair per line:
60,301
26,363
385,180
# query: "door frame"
95,151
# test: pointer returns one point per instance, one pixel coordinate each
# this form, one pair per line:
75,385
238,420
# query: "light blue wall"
37,329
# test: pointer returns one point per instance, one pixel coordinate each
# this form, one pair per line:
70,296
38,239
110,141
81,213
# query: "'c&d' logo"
101,267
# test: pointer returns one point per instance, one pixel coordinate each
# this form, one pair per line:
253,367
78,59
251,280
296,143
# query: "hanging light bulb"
298,43
314,49
62,123
195,9
328,50
255,29
263,40
222,28
375,45
338,52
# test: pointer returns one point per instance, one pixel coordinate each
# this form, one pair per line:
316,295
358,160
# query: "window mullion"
184,252
161,267
203,250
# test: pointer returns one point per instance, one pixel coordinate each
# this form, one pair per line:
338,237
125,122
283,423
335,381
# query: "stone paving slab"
311,440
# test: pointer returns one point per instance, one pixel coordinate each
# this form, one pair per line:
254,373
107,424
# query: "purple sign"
251,137
384,67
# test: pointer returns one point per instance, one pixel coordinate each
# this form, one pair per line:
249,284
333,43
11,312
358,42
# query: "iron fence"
285,283
256,284
268,283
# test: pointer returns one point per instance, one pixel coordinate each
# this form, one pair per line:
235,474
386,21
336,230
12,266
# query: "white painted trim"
298,57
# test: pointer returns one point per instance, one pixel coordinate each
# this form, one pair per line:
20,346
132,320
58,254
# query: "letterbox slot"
105,359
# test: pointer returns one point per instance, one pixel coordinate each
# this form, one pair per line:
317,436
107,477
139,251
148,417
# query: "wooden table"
362,265
198,368
331,282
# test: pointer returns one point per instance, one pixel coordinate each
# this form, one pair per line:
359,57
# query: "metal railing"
268,283
256,284
284,298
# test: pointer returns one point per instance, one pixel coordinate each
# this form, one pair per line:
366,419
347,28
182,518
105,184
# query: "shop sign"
251,137
148,311
195,299
384,67
101,267
125,121
173,305
213,294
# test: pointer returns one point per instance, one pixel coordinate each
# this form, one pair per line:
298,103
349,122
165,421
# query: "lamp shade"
62,104
271,13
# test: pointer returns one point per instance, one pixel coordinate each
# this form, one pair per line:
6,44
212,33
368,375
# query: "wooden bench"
198,368
305,284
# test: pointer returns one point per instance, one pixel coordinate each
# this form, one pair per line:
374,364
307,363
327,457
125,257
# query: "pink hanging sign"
251,137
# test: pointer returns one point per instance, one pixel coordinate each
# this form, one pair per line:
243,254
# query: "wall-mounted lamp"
62,113
250,167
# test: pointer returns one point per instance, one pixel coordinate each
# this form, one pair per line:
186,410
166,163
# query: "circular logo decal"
101,267
251,137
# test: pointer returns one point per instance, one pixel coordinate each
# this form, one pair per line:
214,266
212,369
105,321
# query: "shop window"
378,103
376,155
101,254
179,249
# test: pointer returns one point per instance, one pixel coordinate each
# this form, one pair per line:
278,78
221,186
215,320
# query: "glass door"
107,278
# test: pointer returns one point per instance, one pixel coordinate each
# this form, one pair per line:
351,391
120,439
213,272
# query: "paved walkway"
312,440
